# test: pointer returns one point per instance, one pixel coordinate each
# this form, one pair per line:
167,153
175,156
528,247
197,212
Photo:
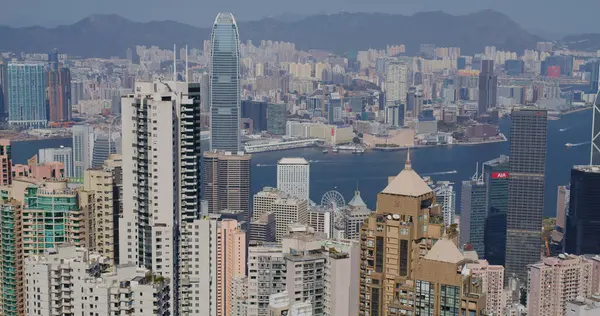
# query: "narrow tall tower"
225,84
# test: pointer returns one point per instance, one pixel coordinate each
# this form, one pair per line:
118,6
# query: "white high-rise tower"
161,161
293,177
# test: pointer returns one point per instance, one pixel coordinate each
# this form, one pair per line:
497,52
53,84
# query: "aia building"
496,176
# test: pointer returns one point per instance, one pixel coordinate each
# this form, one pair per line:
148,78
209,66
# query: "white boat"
335,150
568,145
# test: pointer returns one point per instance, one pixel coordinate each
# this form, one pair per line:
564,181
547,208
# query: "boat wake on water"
440,173
564,129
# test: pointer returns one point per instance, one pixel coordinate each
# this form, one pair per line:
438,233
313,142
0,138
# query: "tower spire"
407,164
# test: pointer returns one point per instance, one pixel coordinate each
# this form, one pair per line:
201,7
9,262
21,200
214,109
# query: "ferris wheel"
334,202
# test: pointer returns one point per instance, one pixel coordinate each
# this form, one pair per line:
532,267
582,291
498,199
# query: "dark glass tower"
488,86
582,232
527,166
496,176
595,152
473,212
225,84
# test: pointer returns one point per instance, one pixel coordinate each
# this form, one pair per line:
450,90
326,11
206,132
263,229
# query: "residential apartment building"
266,276
557,280
492,277
69,280
287,209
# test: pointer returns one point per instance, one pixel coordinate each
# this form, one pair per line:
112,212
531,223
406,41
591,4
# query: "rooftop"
445,250
292,161
407,183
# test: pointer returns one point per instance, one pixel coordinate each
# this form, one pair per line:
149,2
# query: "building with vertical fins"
527,167
488,87
161,160
27,95
225,84
473,214
59,90
496,176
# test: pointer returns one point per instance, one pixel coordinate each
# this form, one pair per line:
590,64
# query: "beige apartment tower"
397,257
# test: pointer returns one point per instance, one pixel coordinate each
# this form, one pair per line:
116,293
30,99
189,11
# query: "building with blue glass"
27,95
225,84
496,176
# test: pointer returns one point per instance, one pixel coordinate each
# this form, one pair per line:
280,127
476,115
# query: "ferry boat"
568,145
358,151
335,150
325,151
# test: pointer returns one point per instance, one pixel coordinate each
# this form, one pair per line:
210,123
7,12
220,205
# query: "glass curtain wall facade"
582,231
27,95
496,177
225,84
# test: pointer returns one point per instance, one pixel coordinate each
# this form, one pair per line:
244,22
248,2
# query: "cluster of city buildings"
163,221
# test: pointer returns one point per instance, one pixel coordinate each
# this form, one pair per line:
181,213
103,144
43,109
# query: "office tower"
514,67
27,95
62,154
396,83
595,143
321,220
527,165
594,69
266,274
6,158
225,84
3,89
11,266
488,86
444,193
396,232
161,159
442,285
83,145
77,92
59,90
355,214
276,118
562,205
473,213
213,254
293,177
257,112
555,281
103,146
496,177
394,114
492,277
582,231
226,181
287,209
89,286
461,63
263,228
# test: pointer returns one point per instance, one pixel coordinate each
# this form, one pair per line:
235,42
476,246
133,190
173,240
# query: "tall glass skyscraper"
225,84
27,95
595,152
496,176
527,167
582,231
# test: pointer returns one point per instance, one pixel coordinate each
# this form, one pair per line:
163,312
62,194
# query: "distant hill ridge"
111,35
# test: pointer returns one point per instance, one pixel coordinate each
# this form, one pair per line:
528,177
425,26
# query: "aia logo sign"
500,175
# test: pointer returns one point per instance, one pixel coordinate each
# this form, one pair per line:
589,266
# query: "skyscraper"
59,90
226,181
582,231
396,85
225,84
527,166
473,214
83,144
488,86
496,177
27,95
293,177
6,160
161,159
3,89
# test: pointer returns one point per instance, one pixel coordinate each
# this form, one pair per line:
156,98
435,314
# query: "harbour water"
344,171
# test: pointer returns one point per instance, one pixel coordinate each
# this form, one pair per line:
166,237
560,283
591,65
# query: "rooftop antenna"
475,177
174,62
187,78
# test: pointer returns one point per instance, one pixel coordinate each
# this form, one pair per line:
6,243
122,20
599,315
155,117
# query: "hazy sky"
553,16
